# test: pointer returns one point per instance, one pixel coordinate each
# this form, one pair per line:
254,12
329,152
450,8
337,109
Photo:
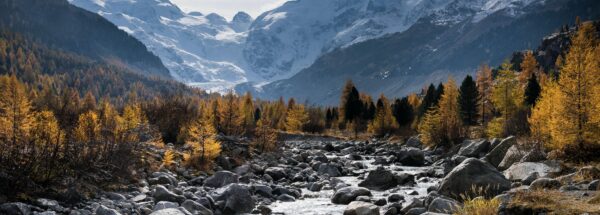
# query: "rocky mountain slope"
63,26
453,41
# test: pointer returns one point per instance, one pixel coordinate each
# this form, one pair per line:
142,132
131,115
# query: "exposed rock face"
474,148
237,198
221,179
520,171
473,173
348,194
361,208
496,155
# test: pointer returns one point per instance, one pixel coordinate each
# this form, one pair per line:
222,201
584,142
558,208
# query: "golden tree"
507,97
384,122
247,112
230,119
265,137
133,119
449,111
16,118
295,118
201,136
529,66
430,128
485,86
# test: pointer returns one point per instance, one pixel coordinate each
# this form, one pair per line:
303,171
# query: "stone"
162,178
474,148
348,194
534,155
361,208
411,157
276,173
15,208
380,179
391,211
473,173
237,198
329,169
115,196
395,197
380,202
221,178
532,176
544,183
50,205
164,204
414,142
168,211
443,205
520,171
593,185
416,211
513,155
315,187
196,208
162,194
263,190
286,198
496,155
103,210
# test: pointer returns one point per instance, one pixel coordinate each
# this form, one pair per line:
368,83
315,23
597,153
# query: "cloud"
228,8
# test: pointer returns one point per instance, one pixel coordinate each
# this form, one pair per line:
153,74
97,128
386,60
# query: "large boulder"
544,183
348,194
237,199
163,194
513,155
443,205
496,155
361,208
103,210
329,169
168,211
276,173
473,173
415,142
382,179
221,178
15,208
411,157
196,208
474,148
520,171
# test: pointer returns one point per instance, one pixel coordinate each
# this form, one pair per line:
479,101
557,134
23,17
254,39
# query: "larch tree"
265,137
384,121
230,119
296,117
507,97
350,104
485,86
201,136
248,114
449,110
529,67
469,101
16,117
430,128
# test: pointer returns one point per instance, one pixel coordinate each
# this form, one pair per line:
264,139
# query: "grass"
479,206
555,202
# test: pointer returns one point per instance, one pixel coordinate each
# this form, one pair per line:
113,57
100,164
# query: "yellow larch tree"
384,122
507,98
449,111
485,86
529,66
230,119
201,136
16,117
265,137
296,117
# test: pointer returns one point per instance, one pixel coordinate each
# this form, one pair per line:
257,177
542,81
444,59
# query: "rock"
411,157
329,169
513,155
243,169
416,203
380,202
15,208
263,190
361,208
363,198
535,155
276,173
162,178
391,211
496,155
414,142
473,173
286,198
593,185
221,178
474,148
115,196
162,194
103,210
380,179
395,198
544,183
139,198
348,194
315,187
443,205
164,205
416,211
237,198
196,208
50,205
168,211
527,180
520,171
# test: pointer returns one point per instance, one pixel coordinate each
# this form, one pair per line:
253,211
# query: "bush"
479,206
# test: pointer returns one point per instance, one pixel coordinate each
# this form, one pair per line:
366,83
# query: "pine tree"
469,101
439,91
350,104
248,114
532,91
485,86
403,111
384,122
428,101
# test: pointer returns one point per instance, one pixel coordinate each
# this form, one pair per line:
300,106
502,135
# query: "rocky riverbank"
328,176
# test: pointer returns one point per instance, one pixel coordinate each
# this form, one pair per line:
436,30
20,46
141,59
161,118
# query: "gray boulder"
276,173
103,210
414,142
496,155
329,169
221,178
15,208
411,157
348,194
168,211
535,155
443,205
520,171
286,198
361,208
196,208
473,173
163,194
474,148
532,176
237,199
544,183
379,179
164,205
513,155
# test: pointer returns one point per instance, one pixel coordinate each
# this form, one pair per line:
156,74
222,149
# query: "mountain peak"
242,17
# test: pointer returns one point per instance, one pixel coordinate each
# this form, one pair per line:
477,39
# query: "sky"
228,8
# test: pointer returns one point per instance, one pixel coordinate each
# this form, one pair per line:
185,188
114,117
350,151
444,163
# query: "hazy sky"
228,8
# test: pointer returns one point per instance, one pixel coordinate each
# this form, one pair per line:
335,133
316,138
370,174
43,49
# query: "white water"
314,203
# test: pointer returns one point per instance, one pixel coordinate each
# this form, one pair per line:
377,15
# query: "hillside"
62,26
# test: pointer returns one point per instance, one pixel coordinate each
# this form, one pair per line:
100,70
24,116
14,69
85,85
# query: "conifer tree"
384,122
265,137
428,101
89,102
449,110
350,105
532,91
296,117
16,117
201,136
403,111
430,128
230,119
485,86
507,97
529,67
248,114
469,101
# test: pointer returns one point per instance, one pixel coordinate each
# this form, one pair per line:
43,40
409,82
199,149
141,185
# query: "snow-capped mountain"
198,49
213,53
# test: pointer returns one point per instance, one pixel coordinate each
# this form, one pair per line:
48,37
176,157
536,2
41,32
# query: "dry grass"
479,206
555,202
